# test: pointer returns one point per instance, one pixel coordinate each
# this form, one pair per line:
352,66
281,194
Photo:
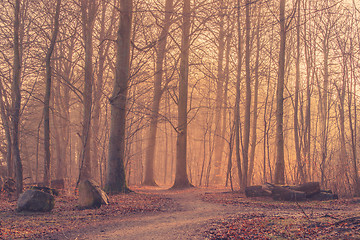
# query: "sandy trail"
189,217
187,220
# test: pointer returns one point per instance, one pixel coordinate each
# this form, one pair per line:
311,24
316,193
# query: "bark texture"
237,97
181,178
48,72
16,102
88,13
280,164
115,177
246,134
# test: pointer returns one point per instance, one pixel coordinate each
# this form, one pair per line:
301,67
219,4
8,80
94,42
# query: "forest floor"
198,213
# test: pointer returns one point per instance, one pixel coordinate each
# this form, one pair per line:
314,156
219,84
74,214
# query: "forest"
195,96
180,93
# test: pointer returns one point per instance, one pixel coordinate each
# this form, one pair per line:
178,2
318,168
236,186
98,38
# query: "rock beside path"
35,201
91,195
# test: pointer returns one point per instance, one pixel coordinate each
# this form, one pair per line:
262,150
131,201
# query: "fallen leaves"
271,227
254,219
65,217
266,219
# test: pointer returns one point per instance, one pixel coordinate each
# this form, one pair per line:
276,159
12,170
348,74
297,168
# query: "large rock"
35,201
91,195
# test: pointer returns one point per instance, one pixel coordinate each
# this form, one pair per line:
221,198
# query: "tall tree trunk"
342,160
115,177
16,101
225,107
7,128
246,136
256,93
88,13
280,163
296,104
59,136
219,98
237,97
324,110
97,92
62,99
103,51
353,129
158,91
181,178
307,130
47,157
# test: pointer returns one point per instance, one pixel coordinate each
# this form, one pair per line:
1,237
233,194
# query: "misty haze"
179,119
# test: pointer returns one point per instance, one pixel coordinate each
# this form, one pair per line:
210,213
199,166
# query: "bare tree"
309,74
16,101
280,164
104,49
237,97
88,14
158,91
181,178
353,126
352,97
296,101
6,121
115,177
48,75
256,96
246,133
326,26
219,101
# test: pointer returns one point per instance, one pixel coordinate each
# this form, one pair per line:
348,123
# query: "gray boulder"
91,195
35,201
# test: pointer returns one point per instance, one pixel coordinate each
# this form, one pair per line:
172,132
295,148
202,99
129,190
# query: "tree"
16,101
341,92
105,32
158,91
48,75
325,25
181,178
7,128
88,14
256,94
246,136
115,176
280,164
352,98
309,72
237,96
296,101
218,138
64,91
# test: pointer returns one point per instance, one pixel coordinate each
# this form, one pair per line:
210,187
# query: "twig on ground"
302,210
352,219
329,216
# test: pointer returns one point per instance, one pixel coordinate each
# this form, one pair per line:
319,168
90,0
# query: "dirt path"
188,219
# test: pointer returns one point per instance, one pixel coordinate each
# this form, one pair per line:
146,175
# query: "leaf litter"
253,218
261,218
65,217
